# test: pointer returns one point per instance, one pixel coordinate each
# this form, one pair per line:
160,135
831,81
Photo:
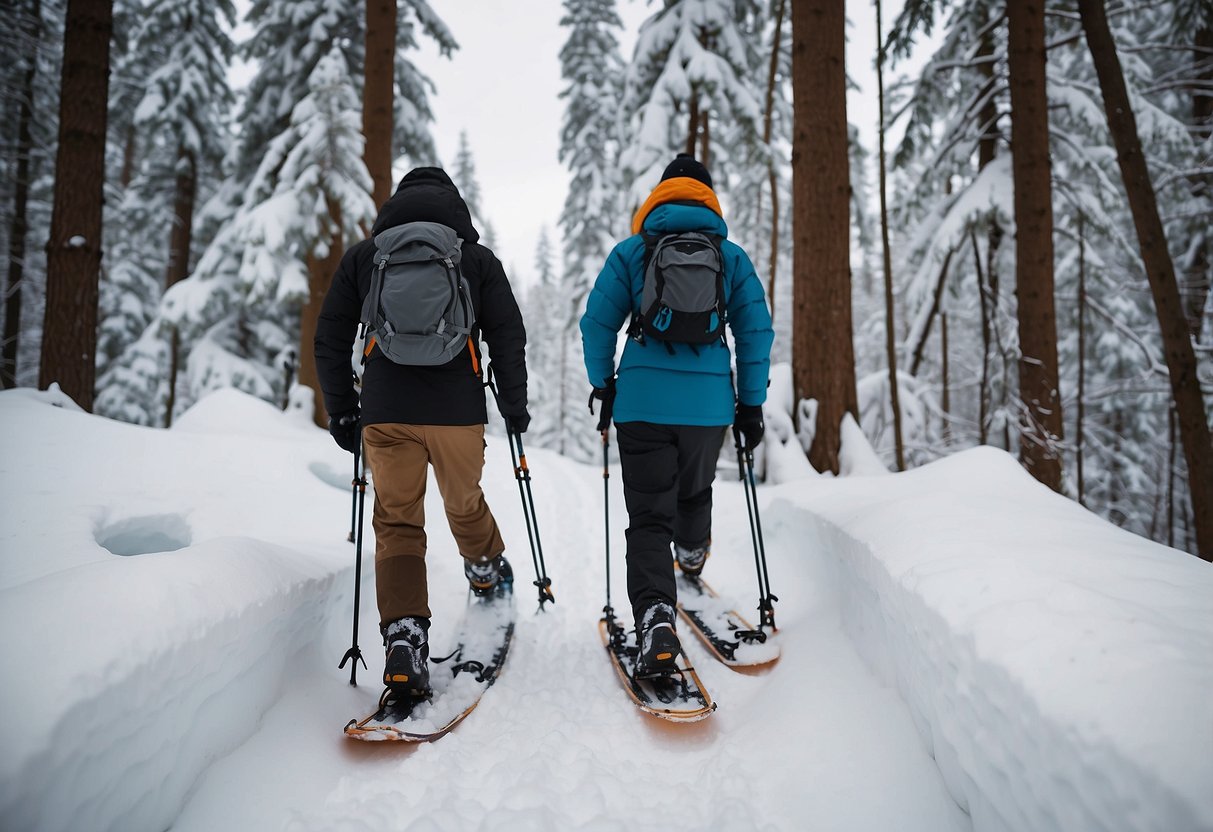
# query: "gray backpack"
419,310
683,296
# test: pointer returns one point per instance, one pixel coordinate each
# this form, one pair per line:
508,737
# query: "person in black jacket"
409,417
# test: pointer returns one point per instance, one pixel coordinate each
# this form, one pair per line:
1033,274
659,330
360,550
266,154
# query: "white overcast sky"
503,84
502,87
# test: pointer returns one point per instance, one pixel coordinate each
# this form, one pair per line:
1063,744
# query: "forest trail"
813,742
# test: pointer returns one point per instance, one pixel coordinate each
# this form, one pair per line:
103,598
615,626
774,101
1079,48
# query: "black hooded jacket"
447,394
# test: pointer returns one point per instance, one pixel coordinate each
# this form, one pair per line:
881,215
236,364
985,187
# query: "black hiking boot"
658,643
407,668
490,578
691,561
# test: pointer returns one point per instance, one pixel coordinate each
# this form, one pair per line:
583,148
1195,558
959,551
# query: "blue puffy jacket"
683,388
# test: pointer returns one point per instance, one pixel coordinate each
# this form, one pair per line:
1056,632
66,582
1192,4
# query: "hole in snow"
145,535
330,475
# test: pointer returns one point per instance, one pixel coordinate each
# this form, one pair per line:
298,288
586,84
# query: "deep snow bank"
1059,669
129,668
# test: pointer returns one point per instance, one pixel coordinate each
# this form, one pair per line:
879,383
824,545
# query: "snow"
952,636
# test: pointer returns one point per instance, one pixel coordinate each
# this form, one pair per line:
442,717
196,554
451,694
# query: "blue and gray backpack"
683,296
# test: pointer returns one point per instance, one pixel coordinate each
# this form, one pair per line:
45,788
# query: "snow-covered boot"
492,577
659,645
691,561
407,669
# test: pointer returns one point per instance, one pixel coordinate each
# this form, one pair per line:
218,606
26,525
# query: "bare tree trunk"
73,262
705,140
987,150
1038,380
936,300
945,402
693,123
20,224
890,340
1198,277
179,261
823,354
377,90
129,146
320,275
772,177
1082,357
983,393
1171,475
1177,343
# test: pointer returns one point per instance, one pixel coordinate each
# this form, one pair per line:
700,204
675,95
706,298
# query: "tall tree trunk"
705,140
890,341
823,354
1080,402
693,123
181,236
987,151
320,275
73,262
377,90
917,353
1038,382
772,177
180,239
20,224
1177,343
983,393
945,401
1198,277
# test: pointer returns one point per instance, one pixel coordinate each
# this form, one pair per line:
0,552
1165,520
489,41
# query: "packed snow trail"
175,603
816,742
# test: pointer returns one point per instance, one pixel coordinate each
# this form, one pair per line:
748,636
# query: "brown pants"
397,456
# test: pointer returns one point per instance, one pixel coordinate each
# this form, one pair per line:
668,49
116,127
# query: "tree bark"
823,354
73,263
320,275
890,329
772,177
1041,432
945,401
693,123
20,224
983,393
1177,343
1198,278
936,301
377,90
179,261
705,140
1082,358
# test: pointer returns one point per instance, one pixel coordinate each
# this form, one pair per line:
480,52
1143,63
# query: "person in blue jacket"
671,402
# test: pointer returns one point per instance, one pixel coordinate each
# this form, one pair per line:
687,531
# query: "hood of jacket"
427,195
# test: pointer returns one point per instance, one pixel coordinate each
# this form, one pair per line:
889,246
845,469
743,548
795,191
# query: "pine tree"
692,68
464,177
593,217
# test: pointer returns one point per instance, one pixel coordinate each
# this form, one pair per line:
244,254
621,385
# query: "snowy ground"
951,637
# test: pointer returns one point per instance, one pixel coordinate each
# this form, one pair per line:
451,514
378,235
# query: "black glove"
517,422
748,420
346,429
606,395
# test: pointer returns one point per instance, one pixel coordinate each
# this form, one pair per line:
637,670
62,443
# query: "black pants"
667,485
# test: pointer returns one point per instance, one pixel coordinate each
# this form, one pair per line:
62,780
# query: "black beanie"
684,164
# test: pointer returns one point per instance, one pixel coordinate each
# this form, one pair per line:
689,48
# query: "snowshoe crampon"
677,695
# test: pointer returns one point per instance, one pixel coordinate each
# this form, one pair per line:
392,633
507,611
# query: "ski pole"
766,600
608,611
522,473
360,485
354,498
